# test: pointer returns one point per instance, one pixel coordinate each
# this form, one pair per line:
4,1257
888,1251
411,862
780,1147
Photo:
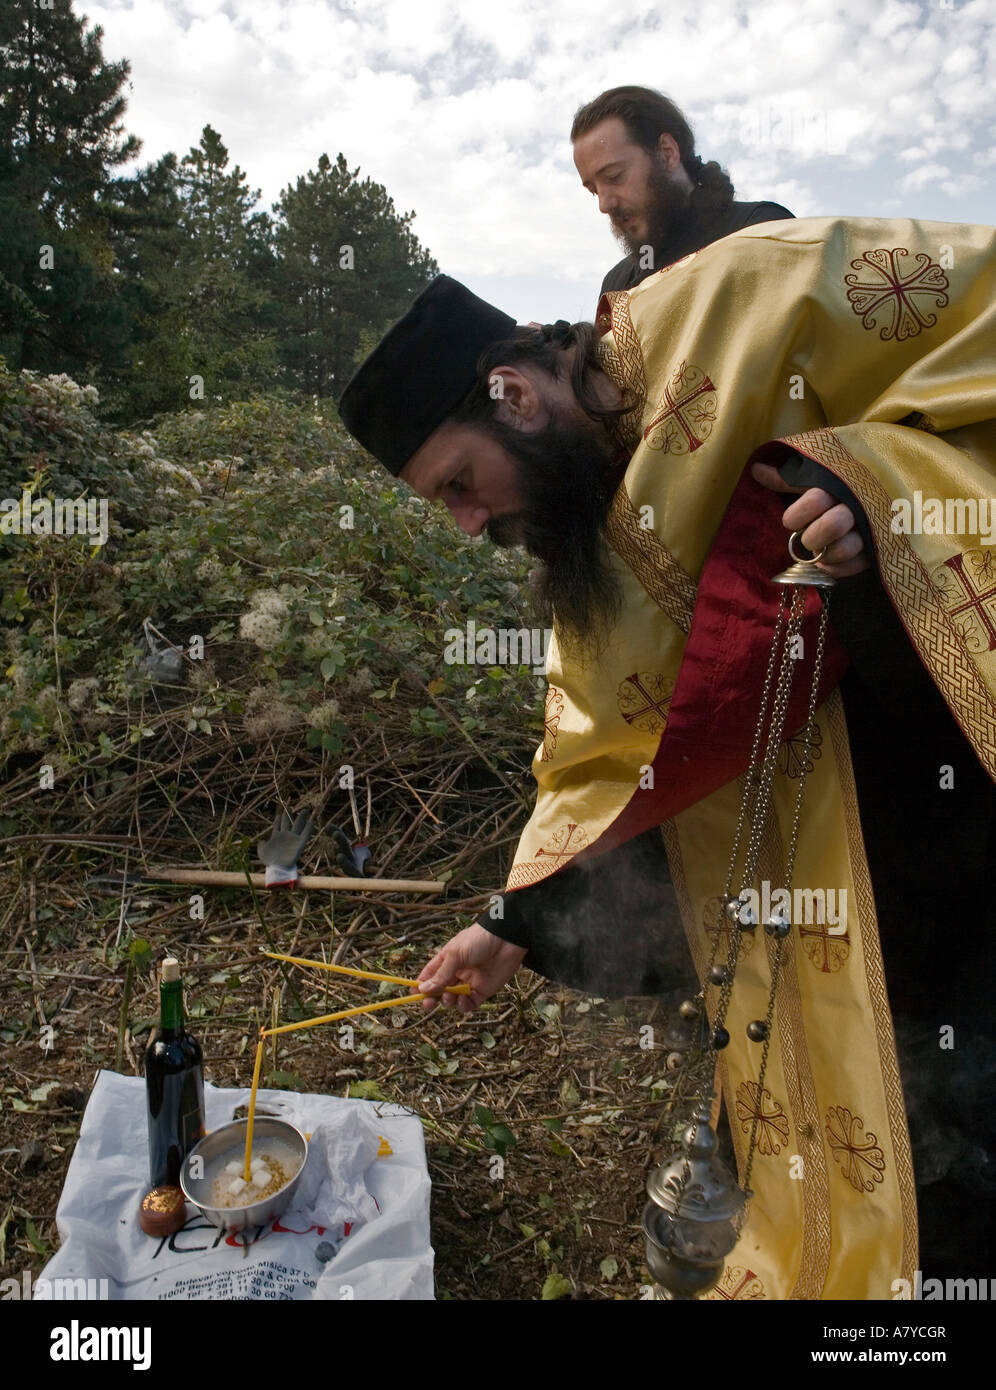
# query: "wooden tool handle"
215,878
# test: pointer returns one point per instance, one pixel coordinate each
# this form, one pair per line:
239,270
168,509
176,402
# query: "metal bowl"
230,1140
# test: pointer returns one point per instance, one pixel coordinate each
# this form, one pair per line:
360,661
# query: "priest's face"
644,194
546,485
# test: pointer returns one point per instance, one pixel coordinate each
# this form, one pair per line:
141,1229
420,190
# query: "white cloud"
927,173
462,109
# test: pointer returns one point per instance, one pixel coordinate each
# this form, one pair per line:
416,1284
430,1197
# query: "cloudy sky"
462,108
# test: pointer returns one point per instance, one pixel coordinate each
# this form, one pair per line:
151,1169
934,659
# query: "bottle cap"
163,1211
171,970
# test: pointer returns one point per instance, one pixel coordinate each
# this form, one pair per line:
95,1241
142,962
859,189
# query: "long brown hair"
544,348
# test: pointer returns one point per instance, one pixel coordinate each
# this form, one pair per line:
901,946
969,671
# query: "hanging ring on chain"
801,559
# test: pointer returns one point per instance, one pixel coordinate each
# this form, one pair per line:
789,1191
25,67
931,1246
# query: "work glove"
281,851
351,858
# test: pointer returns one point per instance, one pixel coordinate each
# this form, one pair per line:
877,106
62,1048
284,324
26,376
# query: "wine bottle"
174,1084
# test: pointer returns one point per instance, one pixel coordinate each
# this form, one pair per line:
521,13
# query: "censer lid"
694,1184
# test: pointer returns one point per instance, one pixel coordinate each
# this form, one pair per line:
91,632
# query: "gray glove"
281,851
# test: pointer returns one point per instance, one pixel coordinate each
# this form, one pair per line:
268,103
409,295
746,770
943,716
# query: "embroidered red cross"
739,1288
566,851
676,404
652,706
820,930
975,599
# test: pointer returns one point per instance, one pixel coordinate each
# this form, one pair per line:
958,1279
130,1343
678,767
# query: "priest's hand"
475,957
825,523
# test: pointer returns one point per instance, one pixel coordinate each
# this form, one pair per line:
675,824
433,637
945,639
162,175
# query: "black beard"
669,214
567,483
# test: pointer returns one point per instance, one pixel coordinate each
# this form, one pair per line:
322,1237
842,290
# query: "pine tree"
349,265
219,310
61,135
148,249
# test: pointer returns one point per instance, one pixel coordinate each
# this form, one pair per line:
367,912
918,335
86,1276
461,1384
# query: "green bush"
315,581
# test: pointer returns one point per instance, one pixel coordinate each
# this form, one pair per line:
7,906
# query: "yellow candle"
246,1173
344,1013
340,969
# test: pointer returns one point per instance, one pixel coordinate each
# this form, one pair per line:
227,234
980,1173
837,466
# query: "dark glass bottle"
174,1084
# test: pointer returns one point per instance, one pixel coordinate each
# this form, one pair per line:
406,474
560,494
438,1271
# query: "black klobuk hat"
420,371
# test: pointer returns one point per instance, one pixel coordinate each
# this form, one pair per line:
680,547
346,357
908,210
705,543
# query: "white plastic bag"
373,1211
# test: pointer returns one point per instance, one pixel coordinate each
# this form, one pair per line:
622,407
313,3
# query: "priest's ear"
517,395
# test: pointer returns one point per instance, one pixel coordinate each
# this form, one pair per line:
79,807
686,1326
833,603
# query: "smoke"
948,1096
612,926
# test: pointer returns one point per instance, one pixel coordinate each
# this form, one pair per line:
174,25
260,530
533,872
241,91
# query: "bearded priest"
843,365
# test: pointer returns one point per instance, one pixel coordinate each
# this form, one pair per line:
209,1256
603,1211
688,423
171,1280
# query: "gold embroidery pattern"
772,1122
686,414
827,952
884,285
793,758
715,919
551,720
643,700
920,604
670,587
561,847
623,363
858,1154
736,1282
966,582
871,954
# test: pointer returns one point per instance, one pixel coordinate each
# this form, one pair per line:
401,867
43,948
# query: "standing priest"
635,152
627,458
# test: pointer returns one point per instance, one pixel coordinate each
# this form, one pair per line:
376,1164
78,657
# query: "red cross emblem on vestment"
963,600
736,1282
885,285
564,843
684,419
643,699
827,952
858,1153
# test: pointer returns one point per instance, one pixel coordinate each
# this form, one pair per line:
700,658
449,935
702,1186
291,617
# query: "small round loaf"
163,1211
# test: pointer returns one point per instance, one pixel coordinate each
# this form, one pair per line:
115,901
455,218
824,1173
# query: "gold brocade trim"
814,1258
919,601
622,360
670,587
522,875
871,951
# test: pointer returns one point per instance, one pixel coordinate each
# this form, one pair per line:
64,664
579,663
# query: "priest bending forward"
840,367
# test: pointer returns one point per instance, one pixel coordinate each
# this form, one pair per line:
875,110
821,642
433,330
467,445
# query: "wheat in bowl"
272,1166
212,1176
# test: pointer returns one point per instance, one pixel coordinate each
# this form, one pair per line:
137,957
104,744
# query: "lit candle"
246,1170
